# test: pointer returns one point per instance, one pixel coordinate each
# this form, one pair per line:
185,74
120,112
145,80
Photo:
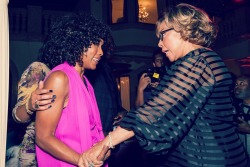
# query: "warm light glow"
143,15
125,92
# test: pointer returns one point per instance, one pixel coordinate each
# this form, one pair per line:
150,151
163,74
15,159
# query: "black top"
189,119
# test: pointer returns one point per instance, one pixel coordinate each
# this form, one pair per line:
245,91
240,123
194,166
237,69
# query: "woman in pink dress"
72,124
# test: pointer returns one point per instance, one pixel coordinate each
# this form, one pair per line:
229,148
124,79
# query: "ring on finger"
91,164
36,105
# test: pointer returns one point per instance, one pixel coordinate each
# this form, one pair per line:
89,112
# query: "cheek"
92,51
90,55
86,60
175,41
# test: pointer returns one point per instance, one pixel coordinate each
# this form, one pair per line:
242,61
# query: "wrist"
29,112
140,90
14,112
77,159
110,144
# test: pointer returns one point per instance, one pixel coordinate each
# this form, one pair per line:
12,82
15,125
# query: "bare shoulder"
57,81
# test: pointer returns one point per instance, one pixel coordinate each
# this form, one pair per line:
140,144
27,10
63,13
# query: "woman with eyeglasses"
189,122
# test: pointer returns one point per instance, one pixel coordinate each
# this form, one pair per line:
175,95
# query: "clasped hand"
95,156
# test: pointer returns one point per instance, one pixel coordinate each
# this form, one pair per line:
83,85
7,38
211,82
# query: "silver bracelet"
27,108
111,146
15,116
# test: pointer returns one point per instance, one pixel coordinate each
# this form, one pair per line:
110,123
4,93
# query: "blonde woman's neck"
190,47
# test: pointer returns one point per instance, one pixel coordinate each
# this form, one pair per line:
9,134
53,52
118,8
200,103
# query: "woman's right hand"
95,156
41,99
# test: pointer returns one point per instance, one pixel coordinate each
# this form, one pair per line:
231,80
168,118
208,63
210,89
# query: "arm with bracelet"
31,95
31,98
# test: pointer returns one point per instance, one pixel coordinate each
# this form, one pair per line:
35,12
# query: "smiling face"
171,42
92,56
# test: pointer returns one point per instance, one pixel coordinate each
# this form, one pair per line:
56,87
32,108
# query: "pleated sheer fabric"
190,118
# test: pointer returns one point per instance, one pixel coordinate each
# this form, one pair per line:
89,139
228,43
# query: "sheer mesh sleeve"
161,123
28,83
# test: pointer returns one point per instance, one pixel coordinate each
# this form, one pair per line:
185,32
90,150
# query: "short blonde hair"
192,23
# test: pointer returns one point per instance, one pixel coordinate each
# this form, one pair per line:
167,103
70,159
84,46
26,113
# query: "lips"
96,59
164,51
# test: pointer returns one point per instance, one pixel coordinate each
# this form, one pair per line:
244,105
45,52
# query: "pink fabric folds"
80,124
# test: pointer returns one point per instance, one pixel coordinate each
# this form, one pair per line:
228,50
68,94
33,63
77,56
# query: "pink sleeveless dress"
80,125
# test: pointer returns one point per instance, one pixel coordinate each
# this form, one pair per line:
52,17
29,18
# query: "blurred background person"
25,109
242,92
29,93
150,78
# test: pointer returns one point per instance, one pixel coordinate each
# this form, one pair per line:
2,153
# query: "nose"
160,44
236,87
100,52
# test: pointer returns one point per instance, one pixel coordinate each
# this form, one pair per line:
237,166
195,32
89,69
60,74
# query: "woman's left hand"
41,99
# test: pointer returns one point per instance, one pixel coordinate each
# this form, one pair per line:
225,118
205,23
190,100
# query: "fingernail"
52,100
50,90
54,96
50,106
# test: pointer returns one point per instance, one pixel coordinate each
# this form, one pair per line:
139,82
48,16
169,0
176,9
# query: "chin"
171,60
93,68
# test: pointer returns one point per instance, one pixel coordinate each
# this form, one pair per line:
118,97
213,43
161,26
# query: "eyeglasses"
161,34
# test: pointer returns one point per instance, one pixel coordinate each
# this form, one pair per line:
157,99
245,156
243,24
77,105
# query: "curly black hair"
70,36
